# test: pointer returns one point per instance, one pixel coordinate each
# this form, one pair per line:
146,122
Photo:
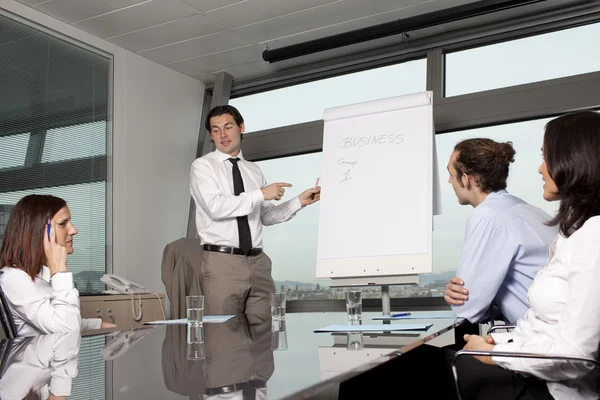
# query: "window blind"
54,113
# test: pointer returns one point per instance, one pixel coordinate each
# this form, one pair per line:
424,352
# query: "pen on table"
316,184
402,314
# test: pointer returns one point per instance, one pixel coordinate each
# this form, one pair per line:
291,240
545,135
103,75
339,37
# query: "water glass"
278,336
195,342
195,333
278,306
195,351
355,341
195,309
354,304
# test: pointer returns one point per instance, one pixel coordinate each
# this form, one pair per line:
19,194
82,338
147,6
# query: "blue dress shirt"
506,243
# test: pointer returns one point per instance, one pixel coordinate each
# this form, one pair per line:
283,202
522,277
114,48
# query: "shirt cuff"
91,323
506,347
62,281
257,197
295,203
60,386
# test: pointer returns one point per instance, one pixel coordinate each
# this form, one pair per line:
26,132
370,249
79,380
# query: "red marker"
316,184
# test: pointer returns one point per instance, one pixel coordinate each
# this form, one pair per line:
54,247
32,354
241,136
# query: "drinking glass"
278,306
195,309
354,304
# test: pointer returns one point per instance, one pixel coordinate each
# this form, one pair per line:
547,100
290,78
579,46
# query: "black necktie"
243,227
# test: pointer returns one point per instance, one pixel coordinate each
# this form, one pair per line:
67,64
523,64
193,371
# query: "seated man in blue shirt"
506,239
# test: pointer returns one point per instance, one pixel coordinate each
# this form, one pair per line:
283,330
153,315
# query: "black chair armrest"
512,355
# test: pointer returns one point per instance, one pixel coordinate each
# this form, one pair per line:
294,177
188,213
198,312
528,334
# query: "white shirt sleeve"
48,360
484,263
57,313
91,323
271,214
207,195
64,363
578,327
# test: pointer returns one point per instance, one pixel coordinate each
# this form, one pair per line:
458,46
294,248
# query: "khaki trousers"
233,284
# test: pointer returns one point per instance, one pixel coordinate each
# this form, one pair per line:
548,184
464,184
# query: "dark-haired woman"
564,313
564,317
36,283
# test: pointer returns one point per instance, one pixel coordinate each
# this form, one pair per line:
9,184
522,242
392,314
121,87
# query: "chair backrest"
6,318
180,272
5,349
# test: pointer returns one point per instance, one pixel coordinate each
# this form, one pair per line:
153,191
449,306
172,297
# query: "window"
91,375
308,101
292,245
14,150
92,134
53,135
532,59
87,263
523,181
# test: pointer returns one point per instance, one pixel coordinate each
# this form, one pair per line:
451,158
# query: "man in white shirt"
233,202
506,239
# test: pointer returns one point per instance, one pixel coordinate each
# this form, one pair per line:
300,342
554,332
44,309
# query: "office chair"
461,353
6,318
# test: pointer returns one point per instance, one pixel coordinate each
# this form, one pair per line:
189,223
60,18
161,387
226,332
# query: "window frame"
473,110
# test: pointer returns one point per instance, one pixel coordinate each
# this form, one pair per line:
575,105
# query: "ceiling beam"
452,14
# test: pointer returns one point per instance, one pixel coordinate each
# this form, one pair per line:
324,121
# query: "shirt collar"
44,274
497,193
494,194
224,157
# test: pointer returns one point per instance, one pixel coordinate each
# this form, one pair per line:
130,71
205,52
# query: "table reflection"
41,367
247,357
237,362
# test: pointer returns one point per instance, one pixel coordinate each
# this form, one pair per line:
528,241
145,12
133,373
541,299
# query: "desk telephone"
123,286
122,342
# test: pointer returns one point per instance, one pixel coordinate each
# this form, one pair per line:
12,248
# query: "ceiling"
202,37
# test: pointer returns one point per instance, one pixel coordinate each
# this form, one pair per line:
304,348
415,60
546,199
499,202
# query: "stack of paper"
417,315
208,319
374,328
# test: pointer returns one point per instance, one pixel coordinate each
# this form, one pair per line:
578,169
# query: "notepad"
418,315
374,328
208,319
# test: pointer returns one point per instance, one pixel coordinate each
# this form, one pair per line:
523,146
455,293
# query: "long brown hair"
572,155
23,245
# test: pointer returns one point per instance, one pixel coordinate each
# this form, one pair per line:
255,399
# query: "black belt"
232,250
235,387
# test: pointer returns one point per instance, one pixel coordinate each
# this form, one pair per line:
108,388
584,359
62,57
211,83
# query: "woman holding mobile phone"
35,280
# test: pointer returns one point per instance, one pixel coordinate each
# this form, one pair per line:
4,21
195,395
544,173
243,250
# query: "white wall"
156,119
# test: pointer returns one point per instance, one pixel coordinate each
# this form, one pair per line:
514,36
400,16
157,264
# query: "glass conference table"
244,358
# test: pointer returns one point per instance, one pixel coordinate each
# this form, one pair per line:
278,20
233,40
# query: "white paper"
375,181
374,328
208,319
418,315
